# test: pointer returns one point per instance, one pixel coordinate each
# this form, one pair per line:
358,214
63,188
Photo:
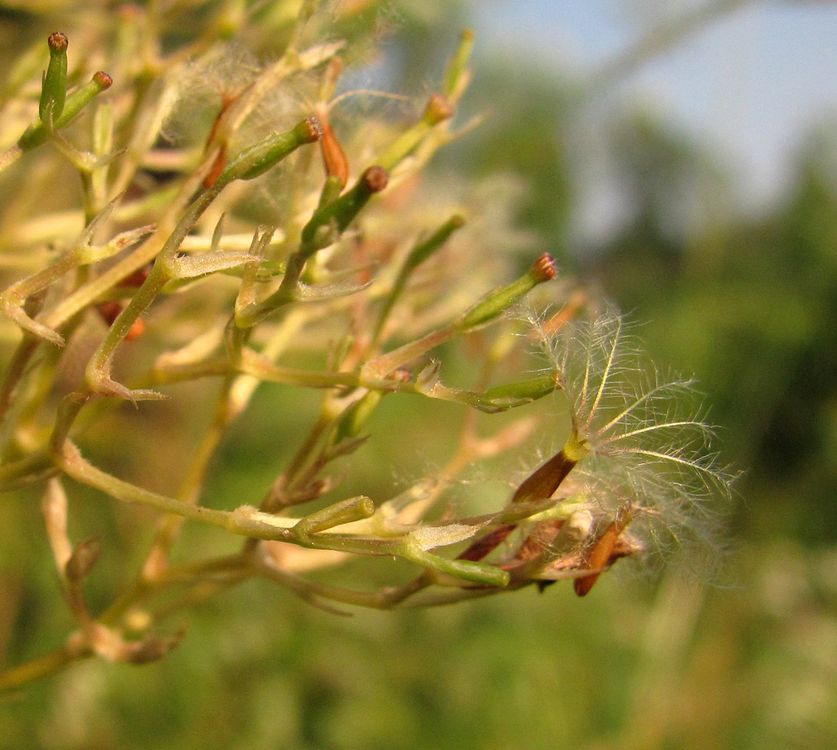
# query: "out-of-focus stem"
40,667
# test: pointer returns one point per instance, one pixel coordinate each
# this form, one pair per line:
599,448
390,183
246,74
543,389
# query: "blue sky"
750,84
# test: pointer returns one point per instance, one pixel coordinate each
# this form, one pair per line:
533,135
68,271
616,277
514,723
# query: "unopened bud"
498,301
310,129
57,42
102,80
54,88
37,133
261,156
544,268
338,214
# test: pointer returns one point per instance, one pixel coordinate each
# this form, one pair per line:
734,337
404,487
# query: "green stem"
386,598
33,468
72,463
15,373
40,667
384,364
418,255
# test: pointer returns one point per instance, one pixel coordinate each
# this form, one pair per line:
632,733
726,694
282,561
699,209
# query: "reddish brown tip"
103,80
57,41
544,267
375,179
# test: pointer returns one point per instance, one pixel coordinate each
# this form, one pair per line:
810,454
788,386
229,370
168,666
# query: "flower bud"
54,87
37,133
498,301
544,268
342,211
375,179
261,156
102,80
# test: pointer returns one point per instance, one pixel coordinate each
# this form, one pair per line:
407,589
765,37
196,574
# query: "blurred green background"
743,296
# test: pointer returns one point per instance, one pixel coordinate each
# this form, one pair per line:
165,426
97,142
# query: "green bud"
498,301
437,110
37,132
516,394
260,157
54,87
341,212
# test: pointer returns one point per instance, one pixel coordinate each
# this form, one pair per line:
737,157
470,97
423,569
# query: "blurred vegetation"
746,303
